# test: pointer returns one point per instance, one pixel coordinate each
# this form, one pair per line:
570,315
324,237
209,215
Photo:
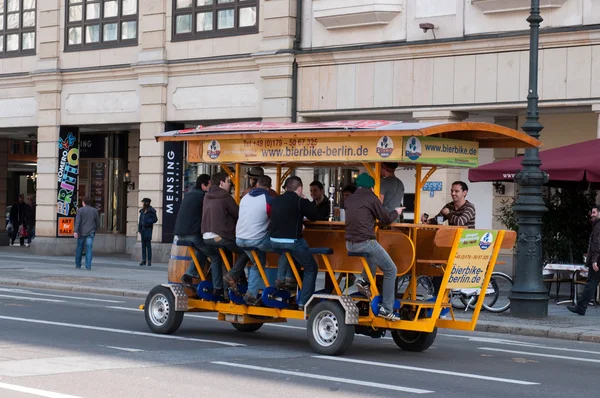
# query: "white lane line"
427,370
35,391
121,331
124,348
212,318
535,354
519,344
327,378
31,299
58,295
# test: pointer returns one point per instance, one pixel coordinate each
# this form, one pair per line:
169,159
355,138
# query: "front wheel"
160,313
246,327
409,340
501,285
327,331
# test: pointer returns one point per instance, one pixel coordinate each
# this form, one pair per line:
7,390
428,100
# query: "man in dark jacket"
189,225
87,222
362,209
287,222
219,216
593,255
145,225
18,219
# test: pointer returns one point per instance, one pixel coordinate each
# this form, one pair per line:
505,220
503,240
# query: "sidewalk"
118,275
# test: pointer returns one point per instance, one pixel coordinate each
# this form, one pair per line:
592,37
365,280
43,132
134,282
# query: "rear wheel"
409,340
160,313
327,331
502,285
247,327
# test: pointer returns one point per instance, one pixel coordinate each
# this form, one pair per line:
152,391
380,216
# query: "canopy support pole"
238,172
278,179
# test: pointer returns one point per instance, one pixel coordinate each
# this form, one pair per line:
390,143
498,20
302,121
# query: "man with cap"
254,173
392,189
145,225
362,209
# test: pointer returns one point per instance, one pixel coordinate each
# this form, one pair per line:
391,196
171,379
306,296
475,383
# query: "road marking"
121,331
212,318
31,299
327,378
535,354
520,344
58,295
427,370
35,391
123,348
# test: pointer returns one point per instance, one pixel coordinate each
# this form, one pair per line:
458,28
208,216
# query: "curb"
73,288
539,331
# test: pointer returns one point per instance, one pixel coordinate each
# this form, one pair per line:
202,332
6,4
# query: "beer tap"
331,202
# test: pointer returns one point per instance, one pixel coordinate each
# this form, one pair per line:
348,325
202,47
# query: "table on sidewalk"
573,270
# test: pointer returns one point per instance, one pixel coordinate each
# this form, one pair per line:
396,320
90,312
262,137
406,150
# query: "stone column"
278,25
48,35
447,176
3,187
133,165
596,108
276,74
153,31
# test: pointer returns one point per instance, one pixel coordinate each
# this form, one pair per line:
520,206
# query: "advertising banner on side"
440,151
472,258
68,172
172,188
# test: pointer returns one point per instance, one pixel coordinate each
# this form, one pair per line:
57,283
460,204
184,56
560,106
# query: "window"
93,24
197,19
17,27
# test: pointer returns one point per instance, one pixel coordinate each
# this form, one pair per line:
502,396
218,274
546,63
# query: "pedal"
238,298
271,297
205,292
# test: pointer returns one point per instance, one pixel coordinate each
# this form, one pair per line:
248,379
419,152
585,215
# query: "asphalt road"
60,345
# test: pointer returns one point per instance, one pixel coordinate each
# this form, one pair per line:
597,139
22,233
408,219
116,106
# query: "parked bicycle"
496,295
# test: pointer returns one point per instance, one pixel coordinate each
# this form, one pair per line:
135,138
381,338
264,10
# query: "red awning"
577,162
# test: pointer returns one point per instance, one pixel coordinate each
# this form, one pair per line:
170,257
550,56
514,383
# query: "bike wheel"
425,288
502,284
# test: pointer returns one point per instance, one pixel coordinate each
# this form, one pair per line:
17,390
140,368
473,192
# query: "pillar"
596,108
3,188
133,165
276,74
278,24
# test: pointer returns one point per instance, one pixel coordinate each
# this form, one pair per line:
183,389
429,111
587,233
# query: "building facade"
90,83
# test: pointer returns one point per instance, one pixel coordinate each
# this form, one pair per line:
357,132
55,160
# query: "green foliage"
566,225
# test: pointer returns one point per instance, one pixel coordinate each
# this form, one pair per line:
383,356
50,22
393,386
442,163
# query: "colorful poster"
440,151
472,258
68,172
66,226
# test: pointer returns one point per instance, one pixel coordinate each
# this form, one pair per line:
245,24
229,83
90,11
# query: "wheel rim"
159,310
326,328
409,336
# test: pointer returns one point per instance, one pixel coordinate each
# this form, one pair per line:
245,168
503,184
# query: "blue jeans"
300,253
263,245
237,268
202,252
378,257
88,241
147,251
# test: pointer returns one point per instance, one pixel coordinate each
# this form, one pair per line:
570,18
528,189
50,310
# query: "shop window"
93,24
17,27
198,19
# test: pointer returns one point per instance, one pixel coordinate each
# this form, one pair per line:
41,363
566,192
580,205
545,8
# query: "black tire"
328,333
501,283
413,341
160,313
247,327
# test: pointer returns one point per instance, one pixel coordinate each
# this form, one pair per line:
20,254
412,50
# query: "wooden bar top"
341,224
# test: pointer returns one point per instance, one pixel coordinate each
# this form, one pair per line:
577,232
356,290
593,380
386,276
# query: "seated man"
219,216
252,230
254,174
347,191
460,212
287,221
320,201
363,208
188,227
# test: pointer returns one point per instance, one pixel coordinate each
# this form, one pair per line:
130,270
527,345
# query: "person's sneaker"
576,309
286,284
363,287
387,315
231,283
250,299
187,279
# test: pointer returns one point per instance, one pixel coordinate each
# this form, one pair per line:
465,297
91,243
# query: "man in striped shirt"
460,212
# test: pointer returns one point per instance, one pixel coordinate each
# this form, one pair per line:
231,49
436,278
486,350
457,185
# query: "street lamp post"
529,298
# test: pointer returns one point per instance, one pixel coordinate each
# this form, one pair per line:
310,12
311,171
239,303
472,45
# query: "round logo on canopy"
413,148
486,241
214,149
385,146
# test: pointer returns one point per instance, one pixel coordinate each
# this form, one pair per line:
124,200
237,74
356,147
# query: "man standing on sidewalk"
145,226
87,222
593,255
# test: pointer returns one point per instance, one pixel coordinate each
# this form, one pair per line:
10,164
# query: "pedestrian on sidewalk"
591,262
145,226
30,220
87,222
17,216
